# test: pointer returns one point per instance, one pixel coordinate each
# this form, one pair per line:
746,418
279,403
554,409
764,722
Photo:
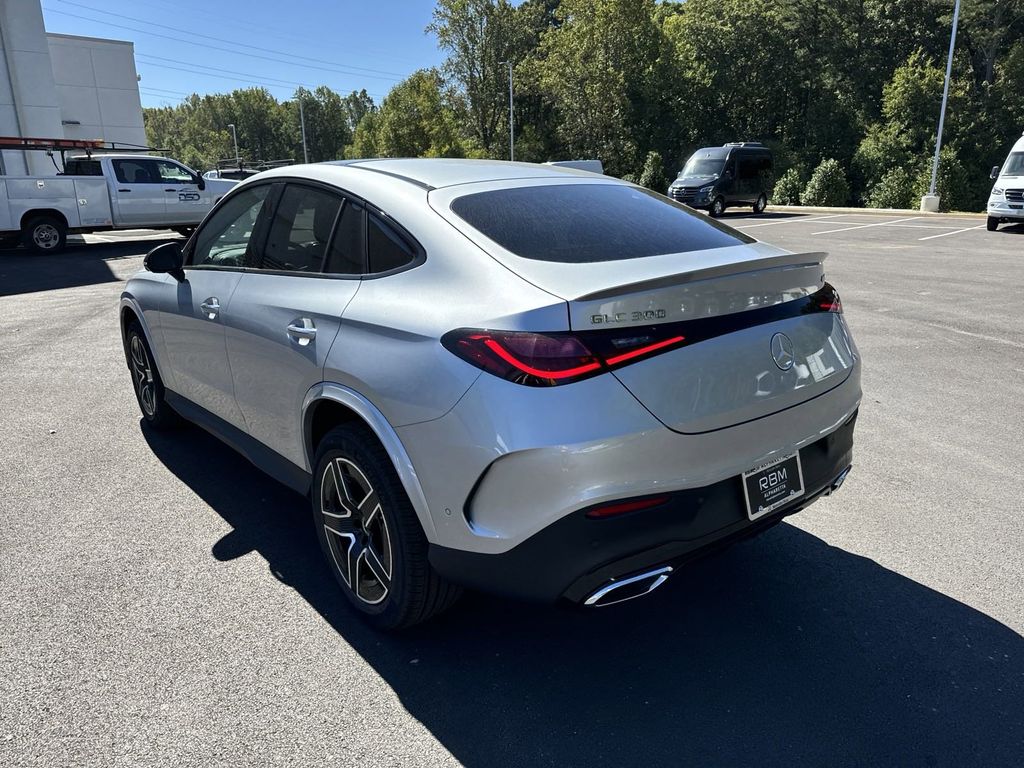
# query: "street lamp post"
302,123
234,135
930,202
511,115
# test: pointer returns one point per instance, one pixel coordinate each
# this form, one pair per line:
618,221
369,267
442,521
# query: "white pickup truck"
104,192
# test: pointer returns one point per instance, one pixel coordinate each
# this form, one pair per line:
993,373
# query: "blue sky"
213,46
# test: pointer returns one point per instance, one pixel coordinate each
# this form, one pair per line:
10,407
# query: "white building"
62,86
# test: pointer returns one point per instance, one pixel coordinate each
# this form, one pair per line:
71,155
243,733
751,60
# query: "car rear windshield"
581,223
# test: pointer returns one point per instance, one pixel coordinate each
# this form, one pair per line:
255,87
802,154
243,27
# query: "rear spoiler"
784,261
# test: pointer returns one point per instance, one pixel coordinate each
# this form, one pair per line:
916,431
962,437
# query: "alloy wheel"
357,531
142,375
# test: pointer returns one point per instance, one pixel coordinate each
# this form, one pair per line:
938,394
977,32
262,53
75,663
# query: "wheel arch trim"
378,423
129,302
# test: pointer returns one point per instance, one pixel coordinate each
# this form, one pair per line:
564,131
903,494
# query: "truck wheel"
44,234
992,224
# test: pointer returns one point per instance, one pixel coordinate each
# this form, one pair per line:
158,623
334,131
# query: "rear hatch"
739,331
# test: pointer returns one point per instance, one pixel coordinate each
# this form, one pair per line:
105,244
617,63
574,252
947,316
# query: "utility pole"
511,115
234,135
302,121
930,202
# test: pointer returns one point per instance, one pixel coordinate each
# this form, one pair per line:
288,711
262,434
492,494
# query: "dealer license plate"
773,485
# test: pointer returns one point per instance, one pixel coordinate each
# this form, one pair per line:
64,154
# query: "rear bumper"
574,556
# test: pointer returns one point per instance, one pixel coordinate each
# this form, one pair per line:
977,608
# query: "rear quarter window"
581,223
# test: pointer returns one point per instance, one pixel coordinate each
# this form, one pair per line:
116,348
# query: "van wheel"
717,207
370,535
761,204
992,224
44,234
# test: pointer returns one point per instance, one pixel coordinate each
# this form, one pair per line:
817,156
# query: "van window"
748,167
581,223
1014,165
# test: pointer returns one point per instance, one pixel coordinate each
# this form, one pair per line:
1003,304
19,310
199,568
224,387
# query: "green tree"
827,185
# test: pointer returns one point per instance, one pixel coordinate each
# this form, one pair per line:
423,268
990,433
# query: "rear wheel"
370,535
761,204
717,207
992,224
149,389
44,234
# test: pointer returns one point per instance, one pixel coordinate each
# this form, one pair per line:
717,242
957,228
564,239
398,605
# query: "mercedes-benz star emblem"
782,351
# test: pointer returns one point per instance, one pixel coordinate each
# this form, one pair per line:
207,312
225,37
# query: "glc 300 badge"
628,317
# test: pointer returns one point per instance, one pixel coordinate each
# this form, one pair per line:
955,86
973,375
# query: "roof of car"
434,173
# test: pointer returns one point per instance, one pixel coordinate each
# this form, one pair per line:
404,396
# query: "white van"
1006,202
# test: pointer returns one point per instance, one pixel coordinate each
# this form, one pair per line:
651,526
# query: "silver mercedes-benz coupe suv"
530,380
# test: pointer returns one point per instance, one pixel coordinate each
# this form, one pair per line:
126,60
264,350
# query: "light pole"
930,202
511,115
234,135
302,123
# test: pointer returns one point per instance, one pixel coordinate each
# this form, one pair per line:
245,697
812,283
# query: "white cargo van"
104,192
1006,202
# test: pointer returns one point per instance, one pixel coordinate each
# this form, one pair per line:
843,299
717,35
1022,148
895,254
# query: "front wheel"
717,207
370,535
760,204
992,224
44,234
149,388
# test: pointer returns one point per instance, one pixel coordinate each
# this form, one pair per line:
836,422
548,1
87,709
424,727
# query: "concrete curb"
871,211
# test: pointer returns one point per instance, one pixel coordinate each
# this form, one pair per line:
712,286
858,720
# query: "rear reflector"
622,507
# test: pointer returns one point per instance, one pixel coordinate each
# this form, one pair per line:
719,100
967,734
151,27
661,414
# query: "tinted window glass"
301,229
224,240
173,173
577,223
748,167
83,168
136,171
346,254
385,250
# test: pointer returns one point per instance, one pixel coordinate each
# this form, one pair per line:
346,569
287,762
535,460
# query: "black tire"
380,535
992,224
146,382
44,234
760,204
717,207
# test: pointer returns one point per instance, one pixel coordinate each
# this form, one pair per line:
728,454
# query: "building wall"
97,87
28,94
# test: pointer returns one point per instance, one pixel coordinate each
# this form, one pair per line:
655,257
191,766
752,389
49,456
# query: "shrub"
827,186
895,190
653,174
952,184
788,188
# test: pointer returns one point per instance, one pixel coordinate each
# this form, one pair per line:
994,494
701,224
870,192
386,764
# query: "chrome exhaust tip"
619,591
840,479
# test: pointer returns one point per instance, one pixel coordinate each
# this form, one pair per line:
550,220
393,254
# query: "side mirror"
166,259
995,172
200,182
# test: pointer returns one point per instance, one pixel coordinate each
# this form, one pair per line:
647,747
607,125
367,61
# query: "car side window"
347,255
136,171
301,230
385,249
173,173
225,239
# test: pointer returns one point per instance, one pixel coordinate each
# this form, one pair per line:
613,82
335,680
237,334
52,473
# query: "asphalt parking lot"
165,604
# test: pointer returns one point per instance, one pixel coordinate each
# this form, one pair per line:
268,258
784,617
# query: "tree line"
847,90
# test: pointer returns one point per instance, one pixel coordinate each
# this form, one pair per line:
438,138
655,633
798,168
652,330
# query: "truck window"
83,168
136,171
173,173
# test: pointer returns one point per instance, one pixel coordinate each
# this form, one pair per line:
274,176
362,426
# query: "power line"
245,77
207,46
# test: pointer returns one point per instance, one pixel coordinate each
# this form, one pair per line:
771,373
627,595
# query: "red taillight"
622,507
548,359
827,300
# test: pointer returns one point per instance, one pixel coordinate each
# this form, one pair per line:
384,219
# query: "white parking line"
866,226
793,220
945,234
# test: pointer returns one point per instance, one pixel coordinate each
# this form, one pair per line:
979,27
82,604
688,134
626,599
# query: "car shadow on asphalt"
79,264
782,651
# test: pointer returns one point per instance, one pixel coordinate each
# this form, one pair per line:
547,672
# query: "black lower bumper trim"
575,555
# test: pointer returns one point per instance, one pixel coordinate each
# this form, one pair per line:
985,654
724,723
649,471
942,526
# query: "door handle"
211,307
302,330
170,190
124,190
